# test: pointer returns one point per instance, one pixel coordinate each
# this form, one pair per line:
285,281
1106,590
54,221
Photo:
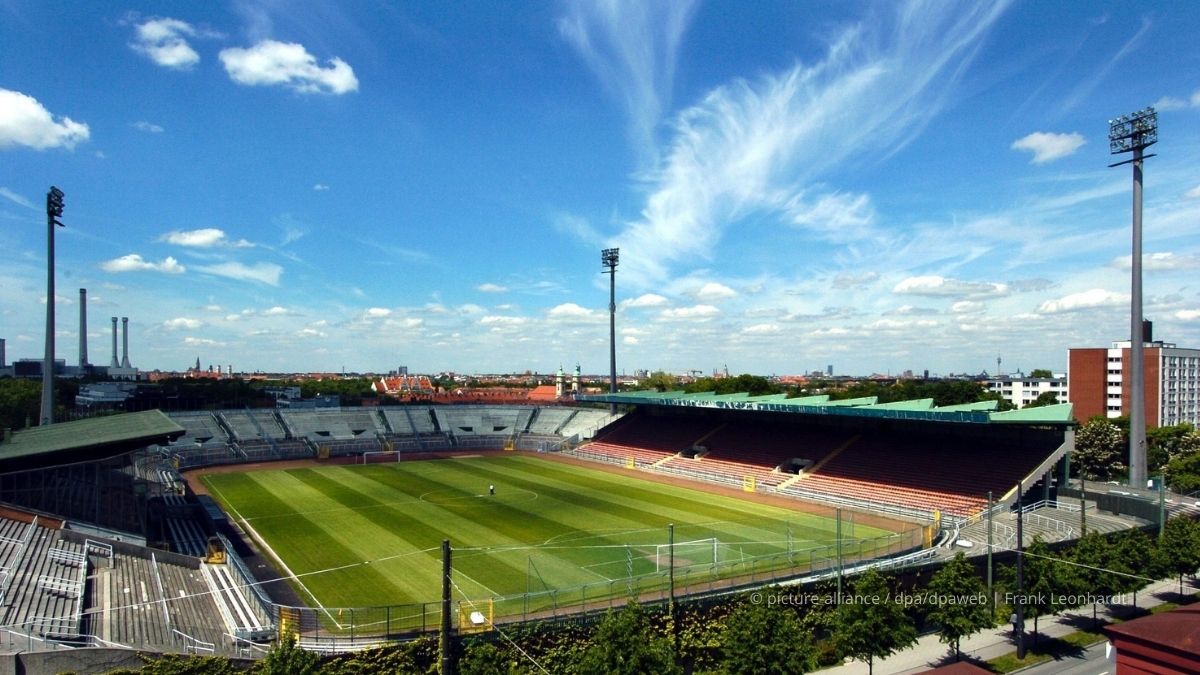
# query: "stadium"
216,532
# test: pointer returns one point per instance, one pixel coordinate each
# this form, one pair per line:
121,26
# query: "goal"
696,553
380,456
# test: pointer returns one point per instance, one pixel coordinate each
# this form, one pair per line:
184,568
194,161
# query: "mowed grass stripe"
304,545
359,513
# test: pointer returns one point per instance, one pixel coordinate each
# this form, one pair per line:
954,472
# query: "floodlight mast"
609,258
1134,133
54,210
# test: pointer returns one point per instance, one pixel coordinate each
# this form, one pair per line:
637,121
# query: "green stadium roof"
982,412
85,440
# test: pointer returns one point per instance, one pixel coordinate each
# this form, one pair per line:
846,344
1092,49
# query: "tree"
1179,548
763,637
661,381
1045,398
1043,373
1048,581
483,658
1096,556
1135,561
20,400
869,623
1183,473
625,642
950,593
287,658
1164,444
1099,449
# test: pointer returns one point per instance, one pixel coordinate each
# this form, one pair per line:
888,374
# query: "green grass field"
370,535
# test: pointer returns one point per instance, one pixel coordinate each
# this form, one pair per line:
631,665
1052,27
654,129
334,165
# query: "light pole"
609,258
1134,133
54,209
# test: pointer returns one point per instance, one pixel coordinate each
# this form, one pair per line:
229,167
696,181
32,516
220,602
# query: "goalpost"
688,553
377,456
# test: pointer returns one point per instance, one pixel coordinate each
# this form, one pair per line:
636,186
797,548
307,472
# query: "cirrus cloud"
263,273
289,65
938,286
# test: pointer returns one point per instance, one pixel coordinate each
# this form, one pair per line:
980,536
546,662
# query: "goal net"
696,553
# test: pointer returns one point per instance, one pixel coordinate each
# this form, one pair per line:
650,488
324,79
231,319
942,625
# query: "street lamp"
54,210
609,258
1134,133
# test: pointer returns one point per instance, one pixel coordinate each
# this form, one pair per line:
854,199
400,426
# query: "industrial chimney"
115,363
3,363
125,342
83,359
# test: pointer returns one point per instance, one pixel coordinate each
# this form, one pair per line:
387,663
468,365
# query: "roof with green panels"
982,412
86,440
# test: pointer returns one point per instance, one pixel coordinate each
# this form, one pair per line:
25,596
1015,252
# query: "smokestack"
3,363
115,363
125,342
83,360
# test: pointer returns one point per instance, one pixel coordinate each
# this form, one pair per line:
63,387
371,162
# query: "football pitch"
370,535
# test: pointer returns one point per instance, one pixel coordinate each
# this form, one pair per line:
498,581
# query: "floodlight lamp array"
1133,131
609,257
54,203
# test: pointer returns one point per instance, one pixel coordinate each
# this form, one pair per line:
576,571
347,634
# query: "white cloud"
16,198
182,322
502,321
966,307
277,311
377,312
1170,103
207,237
838,216
134,263
265,273
491,288
697,312
1194,193
938,286
147,127
571,310
1159,262
1047,147
163,42
212,307
201,342
629,340
751,146
846,280
762,329
24,121
713,291
290,65
631,47
1188,315
310,332
646,300
320,187
1089,299
1196,99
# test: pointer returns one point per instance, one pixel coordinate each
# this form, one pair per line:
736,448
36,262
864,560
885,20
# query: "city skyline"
879,186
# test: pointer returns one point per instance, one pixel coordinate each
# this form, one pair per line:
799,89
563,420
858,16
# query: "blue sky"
878,186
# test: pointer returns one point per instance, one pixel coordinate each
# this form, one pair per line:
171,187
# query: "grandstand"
910,458
90,517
